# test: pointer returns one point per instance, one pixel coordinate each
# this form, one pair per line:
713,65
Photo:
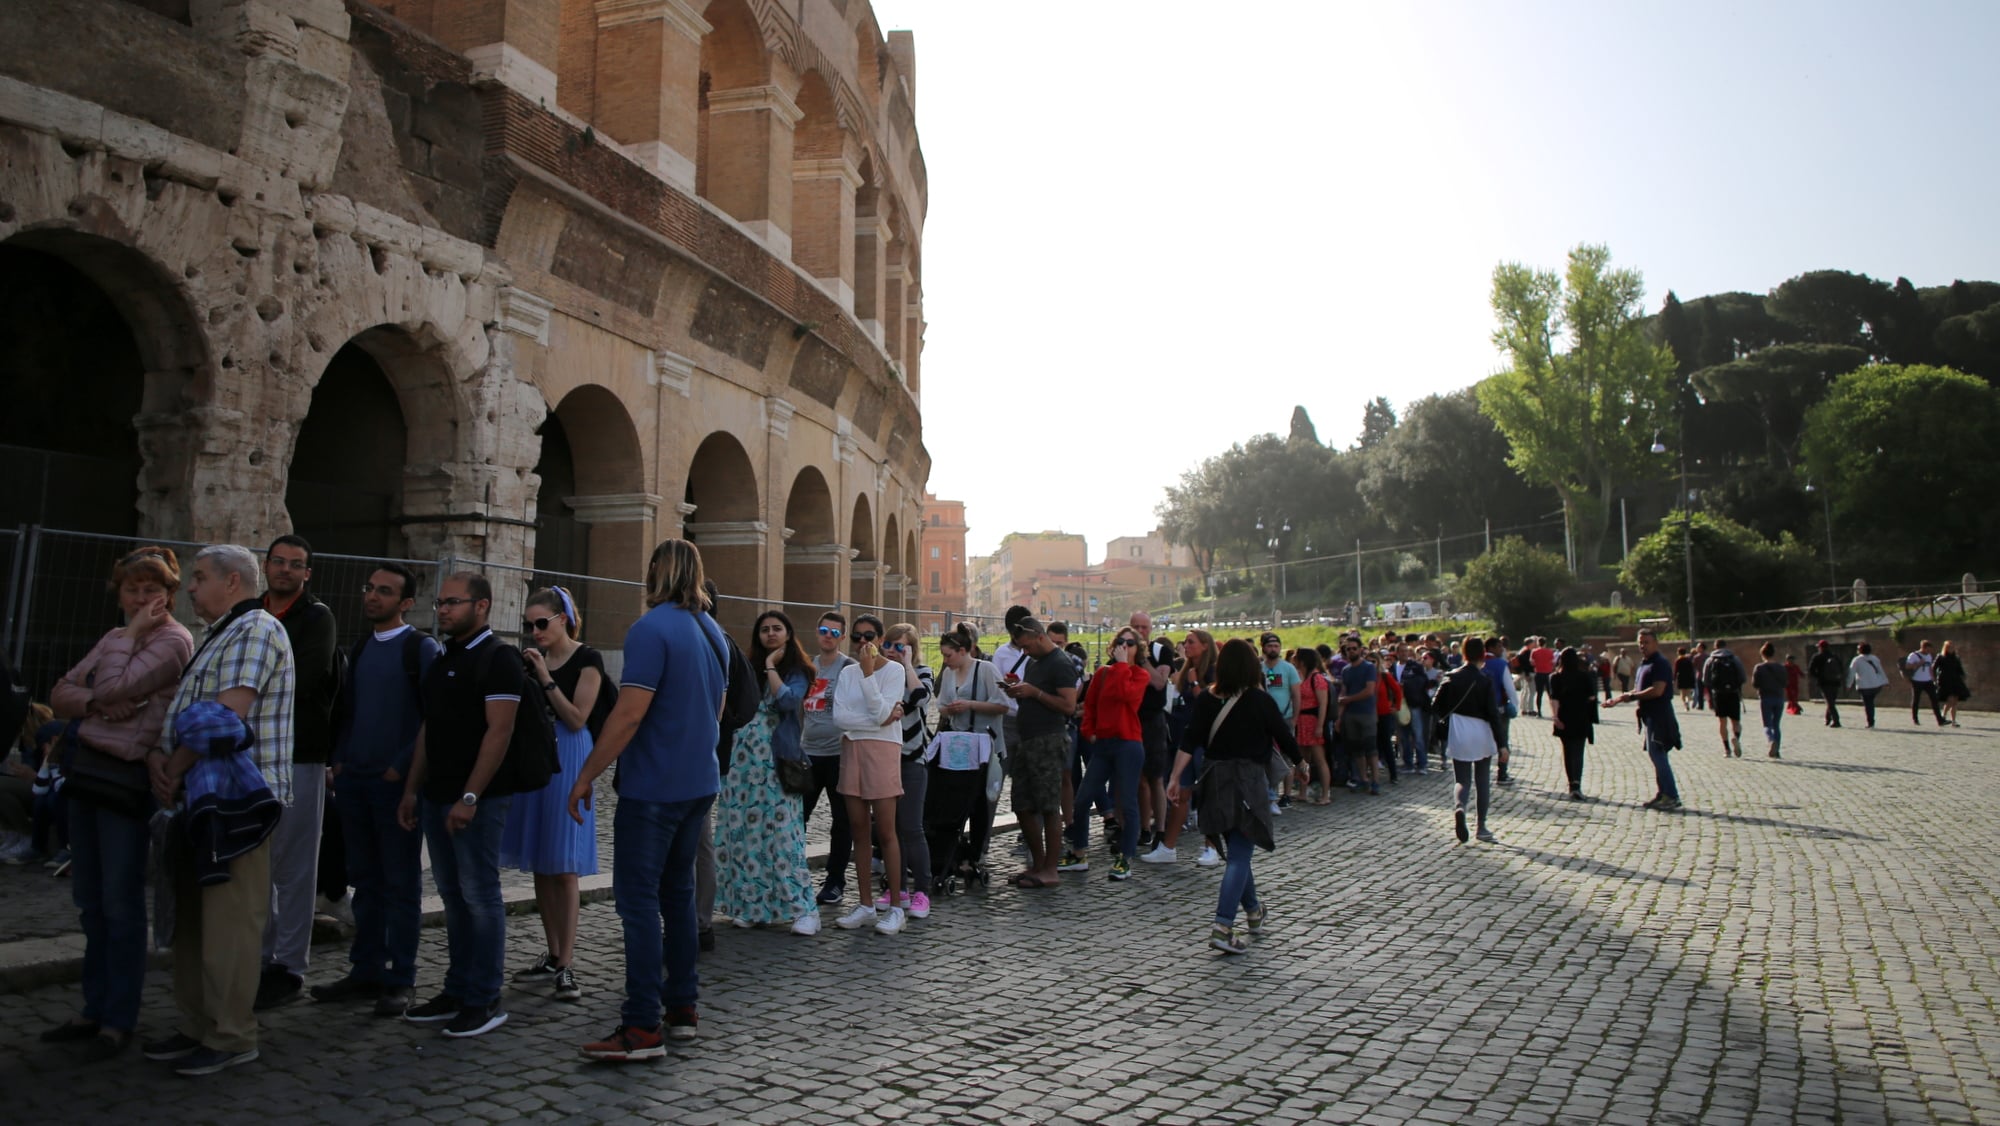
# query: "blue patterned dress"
760,836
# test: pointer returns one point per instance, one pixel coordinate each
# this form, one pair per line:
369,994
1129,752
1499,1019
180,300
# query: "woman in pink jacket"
118,697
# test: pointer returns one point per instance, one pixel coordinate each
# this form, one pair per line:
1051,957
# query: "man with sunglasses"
295,845
377,717
1358,715
821,739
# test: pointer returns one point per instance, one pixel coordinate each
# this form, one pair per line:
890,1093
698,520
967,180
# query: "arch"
812,551
912,567
864,584
726,521
344,486
592,514
892,546
743,115
824,181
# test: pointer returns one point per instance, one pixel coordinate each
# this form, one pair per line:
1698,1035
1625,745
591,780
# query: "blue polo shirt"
681,658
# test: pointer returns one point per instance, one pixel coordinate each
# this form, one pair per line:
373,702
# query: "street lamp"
1687,520
1826,509
1277,580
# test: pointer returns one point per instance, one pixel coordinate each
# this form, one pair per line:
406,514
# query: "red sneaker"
627,1042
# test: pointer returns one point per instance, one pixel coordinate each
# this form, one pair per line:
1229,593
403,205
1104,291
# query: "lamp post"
1273,544
1687,521
1826,510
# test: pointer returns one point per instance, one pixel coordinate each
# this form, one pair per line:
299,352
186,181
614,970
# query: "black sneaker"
1458,826
705,941
681,1022
277,987
442,1007
394,1001
1668,805
346,989
476,1020
544,969
175,1047
832,891
208,1061
566,987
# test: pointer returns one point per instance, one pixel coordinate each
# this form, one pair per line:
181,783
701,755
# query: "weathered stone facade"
660,256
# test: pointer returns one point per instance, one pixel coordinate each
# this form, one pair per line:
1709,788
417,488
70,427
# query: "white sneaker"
806,924
892,921
1277,810
861,916
1209,858
339,910
1161,854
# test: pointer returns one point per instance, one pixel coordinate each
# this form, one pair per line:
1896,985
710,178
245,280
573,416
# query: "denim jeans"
1868,704
1115,763
385,865
1773,708
466,866
652,875
1415,737
1663,768
108,884
1239,887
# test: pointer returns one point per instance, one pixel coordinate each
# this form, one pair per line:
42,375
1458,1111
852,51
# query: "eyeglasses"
288,564
865,637
385,590
446,603
538,623
828,631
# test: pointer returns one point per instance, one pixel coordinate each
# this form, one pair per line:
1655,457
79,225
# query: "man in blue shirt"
668,719
1501,674
1653,688
377,719
1358,722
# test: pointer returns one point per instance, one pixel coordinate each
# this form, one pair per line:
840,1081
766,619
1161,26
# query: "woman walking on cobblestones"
540,836
1574,707
760,833
1469,720
1770,680
1951,682
1233,728
1866,676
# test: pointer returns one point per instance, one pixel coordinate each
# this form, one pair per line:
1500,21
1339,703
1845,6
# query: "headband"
568,604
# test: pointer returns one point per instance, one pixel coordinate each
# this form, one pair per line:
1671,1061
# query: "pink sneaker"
882,901
920,905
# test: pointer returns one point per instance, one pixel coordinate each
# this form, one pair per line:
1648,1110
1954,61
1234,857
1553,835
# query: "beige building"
521,282
1151,549
1022,559
941,564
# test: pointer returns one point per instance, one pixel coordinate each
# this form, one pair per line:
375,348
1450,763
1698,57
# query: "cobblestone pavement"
1813,939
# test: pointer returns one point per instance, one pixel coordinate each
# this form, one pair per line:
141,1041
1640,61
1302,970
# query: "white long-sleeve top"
861,704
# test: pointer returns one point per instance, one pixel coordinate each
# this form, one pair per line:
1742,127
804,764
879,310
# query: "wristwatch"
469,799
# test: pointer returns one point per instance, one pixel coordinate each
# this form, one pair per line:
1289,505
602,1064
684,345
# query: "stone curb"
34,962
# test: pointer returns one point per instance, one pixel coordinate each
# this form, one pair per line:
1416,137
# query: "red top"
1542,659
1388,695
1111,705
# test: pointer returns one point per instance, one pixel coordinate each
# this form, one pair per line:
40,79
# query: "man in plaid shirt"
245,664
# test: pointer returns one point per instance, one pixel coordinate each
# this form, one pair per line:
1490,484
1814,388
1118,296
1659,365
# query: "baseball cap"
1269,638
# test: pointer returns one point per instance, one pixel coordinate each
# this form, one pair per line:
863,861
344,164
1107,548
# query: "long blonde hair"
675,576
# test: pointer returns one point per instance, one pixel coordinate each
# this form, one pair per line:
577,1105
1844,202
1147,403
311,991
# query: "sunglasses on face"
865,638
538,623
828,631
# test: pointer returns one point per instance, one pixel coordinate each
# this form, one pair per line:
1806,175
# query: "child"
1794,675
42,792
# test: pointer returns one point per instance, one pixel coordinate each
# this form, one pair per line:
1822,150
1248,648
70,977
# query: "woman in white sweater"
868,709
1866,676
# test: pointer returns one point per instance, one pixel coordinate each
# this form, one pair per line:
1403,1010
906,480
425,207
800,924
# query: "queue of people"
219,761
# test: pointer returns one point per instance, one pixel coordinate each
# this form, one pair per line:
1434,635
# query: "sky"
1155,227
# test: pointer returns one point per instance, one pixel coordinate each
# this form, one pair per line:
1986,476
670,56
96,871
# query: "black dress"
1576,705
1950,674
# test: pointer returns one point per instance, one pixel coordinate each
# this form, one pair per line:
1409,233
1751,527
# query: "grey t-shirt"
821,736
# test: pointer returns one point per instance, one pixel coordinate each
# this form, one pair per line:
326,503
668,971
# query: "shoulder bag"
961,750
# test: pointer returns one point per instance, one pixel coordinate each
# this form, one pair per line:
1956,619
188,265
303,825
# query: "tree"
1906,456
1443,471
1735,569
1682,336
1520,586
1302,427
1832,307
1779,383
1579,419
1378,419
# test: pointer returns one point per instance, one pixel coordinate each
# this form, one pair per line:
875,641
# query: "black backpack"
344,661
1724,674
744,694
531,758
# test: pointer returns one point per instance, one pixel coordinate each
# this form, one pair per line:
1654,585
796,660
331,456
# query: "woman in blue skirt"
540,836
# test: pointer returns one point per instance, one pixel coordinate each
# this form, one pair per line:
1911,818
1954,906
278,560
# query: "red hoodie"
1111,705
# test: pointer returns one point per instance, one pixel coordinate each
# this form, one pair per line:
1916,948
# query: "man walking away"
1921,668
1826,670
1724,676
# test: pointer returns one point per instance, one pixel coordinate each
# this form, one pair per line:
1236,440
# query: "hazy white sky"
1157,226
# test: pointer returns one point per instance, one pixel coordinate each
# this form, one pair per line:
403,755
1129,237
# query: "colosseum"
528,282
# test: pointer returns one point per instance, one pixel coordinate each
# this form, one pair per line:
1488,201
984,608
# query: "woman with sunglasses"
868,708
1116,755
760,830
1193,680
970,700
540,836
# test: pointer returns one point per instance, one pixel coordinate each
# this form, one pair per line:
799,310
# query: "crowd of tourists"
270,772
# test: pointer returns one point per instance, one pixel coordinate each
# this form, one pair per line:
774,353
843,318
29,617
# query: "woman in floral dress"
760,835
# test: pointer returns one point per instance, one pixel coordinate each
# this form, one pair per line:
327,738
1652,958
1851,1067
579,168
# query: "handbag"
794,775
105,781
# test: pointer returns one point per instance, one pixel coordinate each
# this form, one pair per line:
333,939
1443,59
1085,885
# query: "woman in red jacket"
1115,754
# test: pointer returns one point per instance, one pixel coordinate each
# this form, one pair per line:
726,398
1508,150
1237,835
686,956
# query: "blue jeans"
466,866
107,877
652,877
1115,763
1239,887
385,866
1414,739
1773,708
1663,769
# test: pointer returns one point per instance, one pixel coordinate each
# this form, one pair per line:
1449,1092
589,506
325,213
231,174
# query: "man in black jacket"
1827,671
295,844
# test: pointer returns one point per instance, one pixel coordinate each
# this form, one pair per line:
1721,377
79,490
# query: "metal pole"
1440,549
1687,532
1826,506
1360,603
1624,531
1489,533
14,581
20,640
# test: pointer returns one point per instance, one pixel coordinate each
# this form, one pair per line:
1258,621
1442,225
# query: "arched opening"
592,515
871,246
864,584
912,567
344,490
894,584
725,520
742,134
813,551
73,381
823,187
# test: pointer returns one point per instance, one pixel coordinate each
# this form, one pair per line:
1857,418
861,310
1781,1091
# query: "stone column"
812,575
871,243
648,74
732,547
823,222
750,167
621,541
913,340
512,42
895,281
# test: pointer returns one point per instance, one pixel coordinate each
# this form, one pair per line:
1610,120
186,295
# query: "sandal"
1027,881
